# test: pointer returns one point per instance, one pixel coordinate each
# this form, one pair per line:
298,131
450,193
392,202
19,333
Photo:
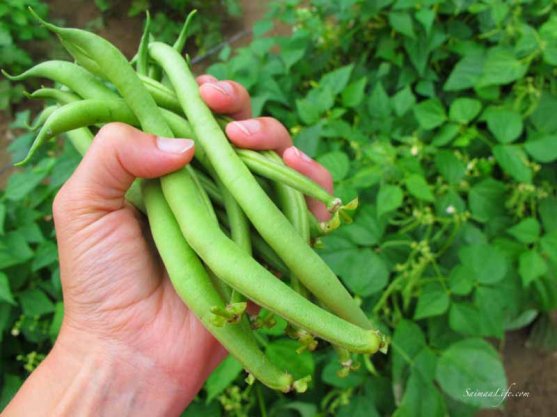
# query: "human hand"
126,334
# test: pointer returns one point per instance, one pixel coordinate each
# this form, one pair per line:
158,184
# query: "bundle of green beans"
201,217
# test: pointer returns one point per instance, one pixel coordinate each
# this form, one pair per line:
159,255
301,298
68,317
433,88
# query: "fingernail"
301,155
176,146
222,87
248,127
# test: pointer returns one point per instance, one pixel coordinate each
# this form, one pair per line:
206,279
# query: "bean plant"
440,116
16,27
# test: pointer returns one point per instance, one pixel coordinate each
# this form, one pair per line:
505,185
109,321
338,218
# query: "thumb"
118,155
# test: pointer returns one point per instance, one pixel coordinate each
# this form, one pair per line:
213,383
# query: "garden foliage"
441,117
17,26
167,15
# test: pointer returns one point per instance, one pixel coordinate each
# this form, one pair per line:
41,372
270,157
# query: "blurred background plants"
168,15
17,29
440,115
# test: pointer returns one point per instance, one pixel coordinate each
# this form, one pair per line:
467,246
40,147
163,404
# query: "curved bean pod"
193,285
265,216
71,75
260,164
241,272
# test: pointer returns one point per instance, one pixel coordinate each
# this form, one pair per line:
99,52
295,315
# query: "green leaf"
56,323
432,301
359,406
35,303
527,231
466,72
402,23
542,149
354,93
486,262
461,280
430,114
513,161
487,200
419,188
549,246
548,34
47,254
5,292
14,249
389,198
403,101
446,134
283,354
379,105
336,80
426,17
303,409
337,163
531,266
472,366
366,230
493,305
464,110
450,167
506,125
408,341
202,409
421,399
293,49
465,319
366,273
308,111
547,208
10,385
22,183
500,68
222,377
543,118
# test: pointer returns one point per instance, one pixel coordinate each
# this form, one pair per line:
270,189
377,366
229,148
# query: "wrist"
84,375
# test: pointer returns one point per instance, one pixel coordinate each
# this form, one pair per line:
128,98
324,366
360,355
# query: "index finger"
225,97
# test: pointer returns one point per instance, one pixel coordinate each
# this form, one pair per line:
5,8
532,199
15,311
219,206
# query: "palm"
123,294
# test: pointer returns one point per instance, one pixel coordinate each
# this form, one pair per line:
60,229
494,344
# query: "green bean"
183,36
264,215
295,209
117,69
61,97
267,254
211,188
241,272
163,96
81,139
42,117
143,51
261,249
268,168
75,77
193,285
79,114
238,225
